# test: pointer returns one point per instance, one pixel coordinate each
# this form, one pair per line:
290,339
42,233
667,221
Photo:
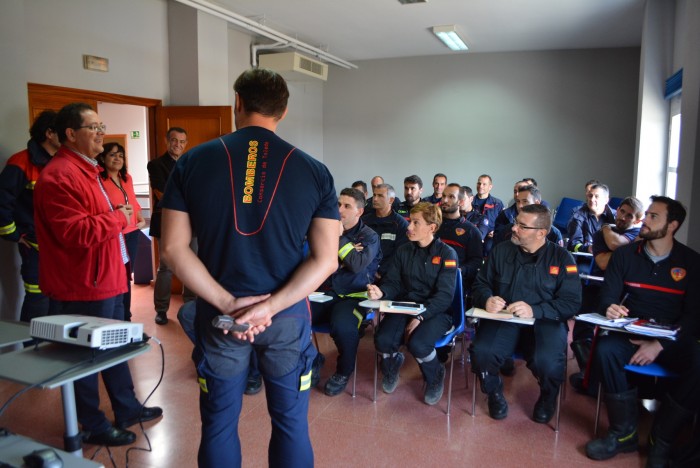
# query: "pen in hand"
623,310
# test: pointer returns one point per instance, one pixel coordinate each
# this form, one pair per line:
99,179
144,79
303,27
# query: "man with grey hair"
590,218
389,225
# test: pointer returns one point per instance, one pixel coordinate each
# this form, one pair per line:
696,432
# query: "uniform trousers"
391,330
543,346
345,318
285,356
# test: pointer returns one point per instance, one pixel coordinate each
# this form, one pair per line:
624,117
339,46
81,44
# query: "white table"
52,365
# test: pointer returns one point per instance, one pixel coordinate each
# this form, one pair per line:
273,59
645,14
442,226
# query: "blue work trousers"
285,355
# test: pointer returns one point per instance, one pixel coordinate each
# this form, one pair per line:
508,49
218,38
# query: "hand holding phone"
226,322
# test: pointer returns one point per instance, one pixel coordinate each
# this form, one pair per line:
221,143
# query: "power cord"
149,447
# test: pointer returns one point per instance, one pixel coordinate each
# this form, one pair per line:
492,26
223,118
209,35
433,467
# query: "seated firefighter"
530,278
359,256
424,271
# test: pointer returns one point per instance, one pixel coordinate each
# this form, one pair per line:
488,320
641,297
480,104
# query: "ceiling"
374,29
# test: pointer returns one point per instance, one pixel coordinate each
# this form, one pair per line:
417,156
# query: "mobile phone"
408,305
226,322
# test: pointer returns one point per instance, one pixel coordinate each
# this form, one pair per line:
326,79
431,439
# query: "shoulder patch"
571,269
460,231
678,273
436,260
450,263
554,270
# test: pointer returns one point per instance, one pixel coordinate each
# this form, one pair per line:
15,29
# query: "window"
674,136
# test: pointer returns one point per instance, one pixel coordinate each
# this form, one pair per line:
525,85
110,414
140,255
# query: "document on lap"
504,315
401,307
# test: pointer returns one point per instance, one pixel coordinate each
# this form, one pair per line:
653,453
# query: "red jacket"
80,256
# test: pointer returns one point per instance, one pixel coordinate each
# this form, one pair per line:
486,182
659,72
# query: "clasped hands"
519,309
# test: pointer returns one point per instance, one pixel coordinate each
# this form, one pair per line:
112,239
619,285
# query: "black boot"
582,352
492,385
623,415
390,372
667,424
434,374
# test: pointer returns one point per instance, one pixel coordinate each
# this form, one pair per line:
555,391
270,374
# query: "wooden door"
202,123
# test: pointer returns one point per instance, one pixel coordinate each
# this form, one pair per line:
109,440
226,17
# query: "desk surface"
14,447
51,365
13,332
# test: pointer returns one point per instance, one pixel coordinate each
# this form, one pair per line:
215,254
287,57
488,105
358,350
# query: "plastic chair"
326,328
560,395
652,370
449,339
614,202
564,212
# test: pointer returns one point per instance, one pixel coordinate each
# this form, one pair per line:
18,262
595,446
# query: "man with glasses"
82,263
158,172
529,278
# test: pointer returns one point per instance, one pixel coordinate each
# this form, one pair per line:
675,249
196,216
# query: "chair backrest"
458,303
653,370
564,212
614,202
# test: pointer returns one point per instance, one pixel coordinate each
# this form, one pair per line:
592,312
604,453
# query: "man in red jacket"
82,263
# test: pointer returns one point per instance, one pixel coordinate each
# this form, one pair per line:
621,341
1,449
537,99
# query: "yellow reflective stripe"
203,384
32,288
345,250
358,316
305,381
628,436
33,244
30,185
9,229
578,246
358,295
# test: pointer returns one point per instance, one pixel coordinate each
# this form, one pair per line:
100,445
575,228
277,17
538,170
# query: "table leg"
71,439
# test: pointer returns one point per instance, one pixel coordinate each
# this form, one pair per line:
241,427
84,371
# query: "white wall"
560,116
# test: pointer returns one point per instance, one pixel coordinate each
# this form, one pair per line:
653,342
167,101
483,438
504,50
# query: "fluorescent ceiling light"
449,35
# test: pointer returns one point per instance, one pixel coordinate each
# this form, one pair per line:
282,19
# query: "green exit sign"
135,135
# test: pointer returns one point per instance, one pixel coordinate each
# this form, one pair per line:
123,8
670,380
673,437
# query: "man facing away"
251,265
158,172
83,263
17,183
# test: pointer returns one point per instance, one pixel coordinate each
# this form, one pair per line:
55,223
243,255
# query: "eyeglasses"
522,226
94,127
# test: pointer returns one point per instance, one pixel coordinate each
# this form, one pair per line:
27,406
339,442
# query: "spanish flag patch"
554,270
436,260
450,263
571,269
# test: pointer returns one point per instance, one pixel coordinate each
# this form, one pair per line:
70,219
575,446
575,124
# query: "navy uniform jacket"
158,173
392,235
489,207
480,221
668,291
583,224
546,280
423,274
357,268
465,238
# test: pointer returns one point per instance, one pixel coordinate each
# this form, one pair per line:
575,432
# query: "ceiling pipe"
255,48
256,28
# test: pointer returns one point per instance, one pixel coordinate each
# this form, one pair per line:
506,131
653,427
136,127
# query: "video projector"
83,330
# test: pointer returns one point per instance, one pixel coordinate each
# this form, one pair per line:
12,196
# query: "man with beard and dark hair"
657,278
461,235
412,190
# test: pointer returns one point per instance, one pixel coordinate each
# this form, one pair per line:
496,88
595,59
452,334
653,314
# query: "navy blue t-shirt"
251,197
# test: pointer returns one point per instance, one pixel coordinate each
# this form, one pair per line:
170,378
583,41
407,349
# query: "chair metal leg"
449,390
354,378
559,398
473,394
597,409
376,367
